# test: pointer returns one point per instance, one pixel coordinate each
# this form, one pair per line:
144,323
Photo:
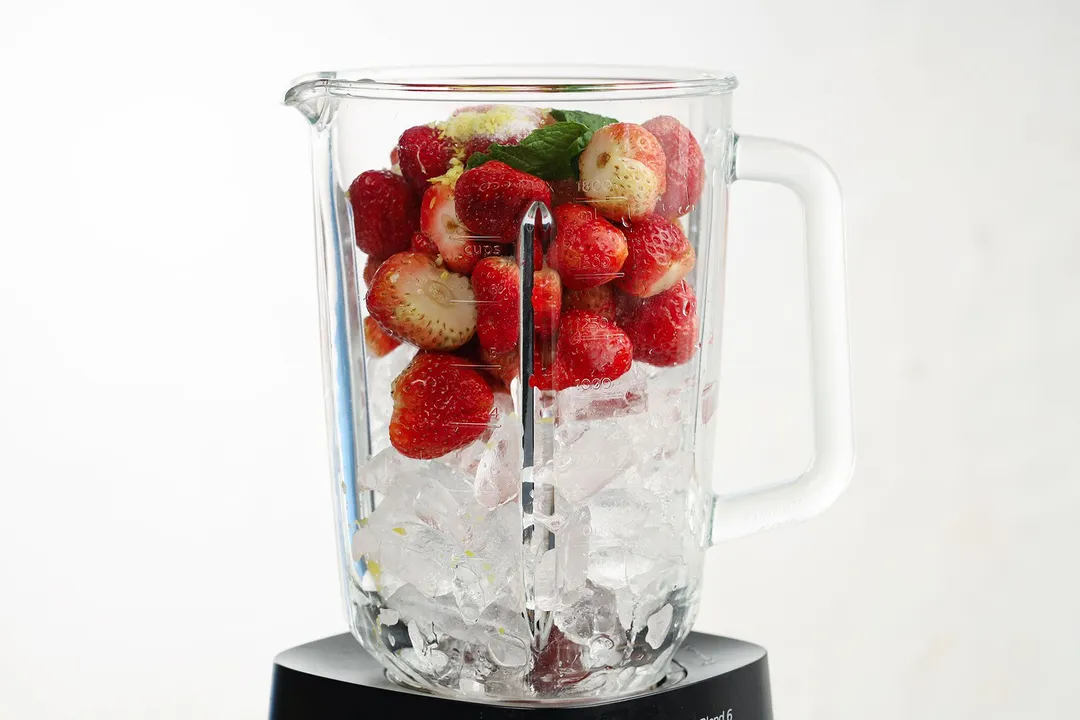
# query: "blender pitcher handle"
807,175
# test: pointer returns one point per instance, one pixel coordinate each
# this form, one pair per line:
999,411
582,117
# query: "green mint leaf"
590,120
550,152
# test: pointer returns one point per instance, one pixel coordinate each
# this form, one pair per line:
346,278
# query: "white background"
164,517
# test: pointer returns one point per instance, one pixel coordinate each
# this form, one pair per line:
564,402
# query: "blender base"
712,678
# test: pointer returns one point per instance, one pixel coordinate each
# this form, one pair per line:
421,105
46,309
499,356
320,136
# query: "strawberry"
564,191
440,404
481,144
664,328
423,153
558,665
685,166
588,250
385,212
415,300
543,364
546,301
492,199
459,251
497,285
599,299
590,350
421,243
623,171
375,338
371,266
502,365
659,256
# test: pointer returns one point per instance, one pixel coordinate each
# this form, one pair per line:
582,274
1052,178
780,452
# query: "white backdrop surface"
164,517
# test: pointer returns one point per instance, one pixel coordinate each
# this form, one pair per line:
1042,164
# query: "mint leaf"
550,152
590,120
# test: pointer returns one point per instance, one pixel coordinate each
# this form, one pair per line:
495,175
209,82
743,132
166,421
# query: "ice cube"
625,395
588,456
659,624
498,472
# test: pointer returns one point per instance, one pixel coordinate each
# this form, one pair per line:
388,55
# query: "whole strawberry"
623,171
385,212
440,404
423,152
439,222
492,199
659,256
664,328
415,300
496,283
685,166
599,299
588,250
590,350
375,338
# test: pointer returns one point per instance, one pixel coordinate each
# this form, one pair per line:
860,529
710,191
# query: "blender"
521,274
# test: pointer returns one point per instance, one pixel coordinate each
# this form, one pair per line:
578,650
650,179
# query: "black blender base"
712,678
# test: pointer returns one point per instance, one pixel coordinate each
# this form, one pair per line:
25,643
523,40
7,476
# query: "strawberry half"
385,211
623,171
587,250
423,152
439,222
415,300
492,199
685,166
375,338
440,404
497,286
659,256
664,328
599,299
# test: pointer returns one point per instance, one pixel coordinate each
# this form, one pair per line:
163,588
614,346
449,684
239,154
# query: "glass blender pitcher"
521,284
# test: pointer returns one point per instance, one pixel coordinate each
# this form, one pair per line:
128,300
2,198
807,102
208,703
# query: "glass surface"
522,525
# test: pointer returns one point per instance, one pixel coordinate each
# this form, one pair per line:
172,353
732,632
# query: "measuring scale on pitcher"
521,275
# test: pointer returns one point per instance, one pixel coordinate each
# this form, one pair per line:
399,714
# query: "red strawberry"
497,285
685,166
599,299
377,341
440,223
623,171
588,250
423,153
543,364
481,143
440,404
421,243
558,665
385,212
664,328
492,199
371,266
503,365
417,301
564,191
590,350
660,255
546,301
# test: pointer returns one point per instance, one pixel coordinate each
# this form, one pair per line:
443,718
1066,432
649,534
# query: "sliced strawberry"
623,171
547,301
423,153
659,256
385,212
685,166
438,220
664,328
421,243
558,664
375,338
415,300
440,404
588,250
492,199
599,299
497,285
